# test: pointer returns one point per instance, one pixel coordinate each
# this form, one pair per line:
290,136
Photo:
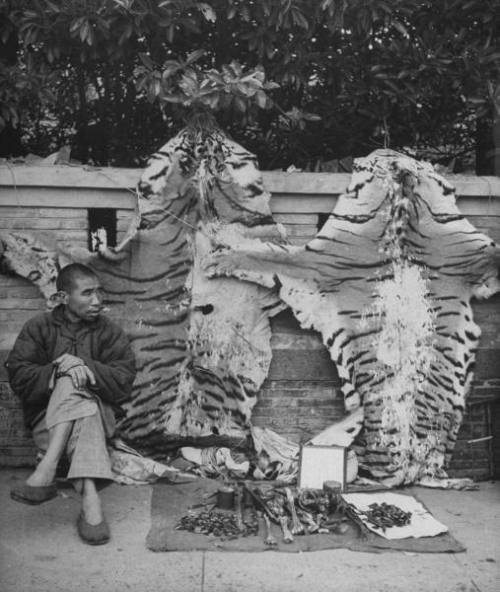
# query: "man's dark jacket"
101,344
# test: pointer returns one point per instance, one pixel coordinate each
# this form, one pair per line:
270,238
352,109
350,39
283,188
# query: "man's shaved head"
66,280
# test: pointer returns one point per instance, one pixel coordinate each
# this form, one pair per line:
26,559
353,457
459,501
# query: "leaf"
146,60
208,12
125,35
311,117
75,25
53,6
194,56
392,86
213,101
299,18
261,99
172,99
84,30
168,72
90,35
476,100
398,25
240,104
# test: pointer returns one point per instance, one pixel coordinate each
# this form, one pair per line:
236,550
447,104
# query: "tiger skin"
202,346
387,282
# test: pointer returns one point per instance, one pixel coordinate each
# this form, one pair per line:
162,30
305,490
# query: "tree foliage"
296,81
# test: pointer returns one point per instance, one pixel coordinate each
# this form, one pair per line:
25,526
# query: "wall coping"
109,178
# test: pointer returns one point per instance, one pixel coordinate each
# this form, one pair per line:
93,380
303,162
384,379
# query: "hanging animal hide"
202,346
388,282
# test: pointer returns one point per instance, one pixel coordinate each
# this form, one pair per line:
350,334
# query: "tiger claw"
219,263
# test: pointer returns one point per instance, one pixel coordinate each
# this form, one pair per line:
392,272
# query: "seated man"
72,368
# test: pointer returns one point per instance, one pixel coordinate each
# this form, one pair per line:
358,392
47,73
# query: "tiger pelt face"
387,282
223,175
168,177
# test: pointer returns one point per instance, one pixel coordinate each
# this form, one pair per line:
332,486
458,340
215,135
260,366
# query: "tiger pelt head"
167,183
410,208
205,170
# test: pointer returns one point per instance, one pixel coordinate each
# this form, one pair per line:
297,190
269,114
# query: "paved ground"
40,552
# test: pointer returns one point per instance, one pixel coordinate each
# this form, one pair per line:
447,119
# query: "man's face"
84,300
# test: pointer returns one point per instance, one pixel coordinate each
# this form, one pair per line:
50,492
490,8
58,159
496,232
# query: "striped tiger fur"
29,258
204,349
387,282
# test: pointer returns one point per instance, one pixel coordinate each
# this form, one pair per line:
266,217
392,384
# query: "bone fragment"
287,535
297,527
306,517
237,507
270,539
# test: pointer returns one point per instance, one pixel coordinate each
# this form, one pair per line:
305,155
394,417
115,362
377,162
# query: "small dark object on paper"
385,516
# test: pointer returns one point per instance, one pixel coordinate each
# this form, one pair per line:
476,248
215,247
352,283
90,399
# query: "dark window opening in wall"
102,228
322,218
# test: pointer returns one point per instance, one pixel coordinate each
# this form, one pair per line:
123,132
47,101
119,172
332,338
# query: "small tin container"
332,487
225,498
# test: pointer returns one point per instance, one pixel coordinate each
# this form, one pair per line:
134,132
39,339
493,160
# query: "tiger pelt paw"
110,254
220,262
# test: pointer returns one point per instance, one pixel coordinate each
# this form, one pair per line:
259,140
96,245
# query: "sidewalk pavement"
40,552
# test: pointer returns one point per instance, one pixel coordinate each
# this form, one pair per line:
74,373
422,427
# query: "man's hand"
80,376
76,369
67,361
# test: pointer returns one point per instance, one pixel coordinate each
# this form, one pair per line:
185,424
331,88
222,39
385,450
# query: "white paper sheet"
422,523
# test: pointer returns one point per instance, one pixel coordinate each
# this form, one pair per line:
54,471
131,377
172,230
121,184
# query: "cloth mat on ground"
171,501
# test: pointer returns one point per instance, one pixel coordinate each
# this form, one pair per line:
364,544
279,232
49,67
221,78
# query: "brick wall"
301,394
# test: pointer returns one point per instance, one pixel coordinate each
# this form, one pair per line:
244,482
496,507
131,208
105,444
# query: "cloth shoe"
92,534
29,494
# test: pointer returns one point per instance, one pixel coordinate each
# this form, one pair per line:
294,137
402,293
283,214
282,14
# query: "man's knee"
65,385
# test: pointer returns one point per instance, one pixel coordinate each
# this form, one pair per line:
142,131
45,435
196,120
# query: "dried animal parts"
270,540
296,512
388,282
385,516
299,511
219,524
237,519
297,527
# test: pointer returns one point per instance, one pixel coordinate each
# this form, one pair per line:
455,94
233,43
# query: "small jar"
332,489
